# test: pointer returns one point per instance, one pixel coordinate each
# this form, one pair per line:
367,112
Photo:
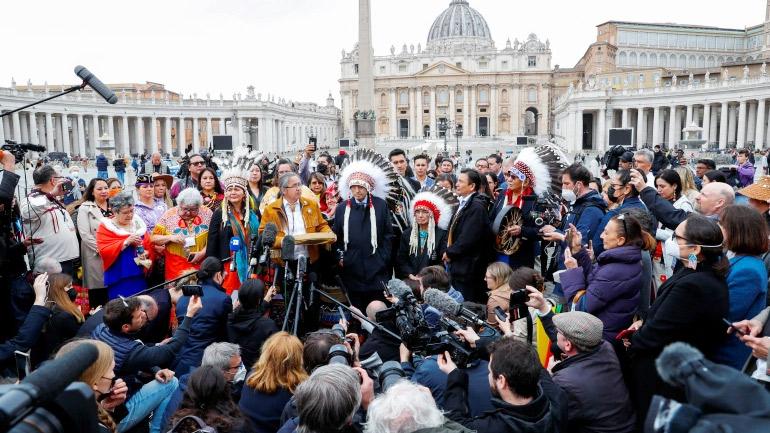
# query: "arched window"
383,100
426,100
682,61
443,97
459,96
623,58
691,62
701,61
530,121
710,62
632,60
654,59
504,96
403,97
643,59
484,95
532,94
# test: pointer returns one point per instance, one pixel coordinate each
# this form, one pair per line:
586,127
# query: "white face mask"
671,248
75,174
568,195
240,376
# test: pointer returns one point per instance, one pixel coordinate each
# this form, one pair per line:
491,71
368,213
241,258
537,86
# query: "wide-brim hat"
760,190
166,178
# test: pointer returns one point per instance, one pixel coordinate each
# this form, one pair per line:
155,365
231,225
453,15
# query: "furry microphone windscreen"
269,234
287,248
398,288
677,362
441,301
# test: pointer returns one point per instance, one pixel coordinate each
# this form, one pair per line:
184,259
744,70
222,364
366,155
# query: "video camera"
20,149
547,210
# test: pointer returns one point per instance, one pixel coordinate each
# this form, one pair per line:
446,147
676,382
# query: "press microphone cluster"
448,306
398,288
268,239
96,84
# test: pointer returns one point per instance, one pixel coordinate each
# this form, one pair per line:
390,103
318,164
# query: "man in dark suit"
364,234
469,240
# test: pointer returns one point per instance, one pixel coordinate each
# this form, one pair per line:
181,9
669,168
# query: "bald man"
712,199
155,165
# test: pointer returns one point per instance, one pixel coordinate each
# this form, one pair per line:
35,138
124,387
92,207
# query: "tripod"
296,300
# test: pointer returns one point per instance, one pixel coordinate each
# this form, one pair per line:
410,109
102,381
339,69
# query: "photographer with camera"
525,396
123,318
30,330
47,222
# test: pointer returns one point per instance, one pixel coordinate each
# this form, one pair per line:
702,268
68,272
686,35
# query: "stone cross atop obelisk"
365,119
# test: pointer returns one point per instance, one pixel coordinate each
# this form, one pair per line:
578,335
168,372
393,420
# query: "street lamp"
458,134
443,126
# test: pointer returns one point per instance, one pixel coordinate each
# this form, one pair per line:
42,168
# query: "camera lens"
338,354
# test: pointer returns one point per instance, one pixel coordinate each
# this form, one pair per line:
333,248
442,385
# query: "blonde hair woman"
689,189
65,321
496,277
273,380
101,378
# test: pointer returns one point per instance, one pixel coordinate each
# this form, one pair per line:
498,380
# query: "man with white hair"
643,159
712,199
405,408
155,165
184,230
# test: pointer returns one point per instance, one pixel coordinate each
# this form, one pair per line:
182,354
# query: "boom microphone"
446,305
94,83
46,383
677,361
398,288
287,248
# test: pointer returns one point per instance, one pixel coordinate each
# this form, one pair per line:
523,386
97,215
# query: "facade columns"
209,132
65,133
140,135
673,129
81,136
49,132
95,135
723,121
167,135
732,121
713,137
393,114
514,108
656,138
624,118
222,126
16,127
492,110
411,114
473,108
741,139
759,133
152,146
689,115
466,111
433,132
451,110
641,128
578,131
33,135
196,138
111,131
752,122
706,123
180,136
261,129
601,130
125,143
419,118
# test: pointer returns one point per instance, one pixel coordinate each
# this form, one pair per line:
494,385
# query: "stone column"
24,127
601,130
65,134
196,138
393,113
49,132
209,131
152,146
706,122
261,134
222,126
140,135
740,141
167,135
714,123
759,133
673,128
466,111
451,110
472,113
81,136
433,128
641,128
723,127
33,138
418,118
412,113
180,135
96,133
365,65
751,127
16,127
111,131
492,110
624,119
578,131
731,124
689,115
125,143
656,126
515,107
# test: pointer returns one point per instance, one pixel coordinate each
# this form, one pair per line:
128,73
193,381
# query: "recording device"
518,304
235,246
23,366
384,374
96,84
338,354
547,210
287,254
414,330
51,398
446,305
192,290
20,149
67,186
729,325
268,239
500,314
314,142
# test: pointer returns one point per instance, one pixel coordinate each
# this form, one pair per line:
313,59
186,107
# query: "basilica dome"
459,26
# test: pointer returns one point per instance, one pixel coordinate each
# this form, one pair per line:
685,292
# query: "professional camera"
338,354
547,210
20,149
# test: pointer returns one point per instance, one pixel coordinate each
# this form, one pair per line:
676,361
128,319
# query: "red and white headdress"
442,204
542,166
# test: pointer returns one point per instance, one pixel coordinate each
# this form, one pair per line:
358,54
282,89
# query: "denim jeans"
101,174
121,177
152,398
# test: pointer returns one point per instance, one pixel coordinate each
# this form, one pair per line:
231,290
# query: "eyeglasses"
675,236
112,380
197,163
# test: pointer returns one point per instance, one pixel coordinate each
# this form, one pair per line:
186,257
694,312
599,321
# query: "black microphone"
398,288
10,145
46,383
94,83
313,277
287,248
446,305
268,239
301,267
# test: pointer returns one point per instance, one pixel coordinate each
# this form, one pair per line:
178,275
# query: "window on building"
505,64
382,69
652,39
443,97
403,97
681,41
622,37
692,41
424,66
632,38
402,68
426,99
642,38
729,43
459,64
484,96
355,69
459,96
702,42
721,41
483,64
532,94
711,42
532,61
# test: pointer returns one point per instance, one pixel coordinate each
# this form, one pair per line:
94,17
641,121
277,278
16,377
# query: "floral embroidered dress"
176,254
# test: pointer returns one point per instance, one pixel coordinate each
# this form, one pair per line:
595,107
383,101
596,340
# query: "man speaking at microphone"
299,217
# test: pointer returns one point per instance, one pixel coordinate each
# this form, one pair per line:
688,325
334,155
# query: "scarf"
372,223
242,231
110,238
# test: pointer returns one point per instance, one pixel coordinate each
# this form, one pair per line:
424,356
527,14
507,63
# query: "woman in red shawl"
121,243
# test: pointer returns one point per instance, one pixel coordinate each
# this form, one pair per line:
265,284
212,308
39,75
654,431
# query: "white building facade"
459,77
83,123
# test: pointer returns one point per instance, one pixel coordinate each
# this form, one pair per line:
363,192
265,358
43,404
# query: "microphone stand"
354,313
181,277
66,91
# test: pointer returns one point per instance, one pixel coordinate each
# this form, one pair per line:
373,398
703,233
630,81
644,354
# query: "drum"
505,241
329,314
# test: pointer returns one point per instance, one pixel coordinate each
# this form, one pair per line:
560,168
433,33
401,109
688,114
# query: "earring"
692,261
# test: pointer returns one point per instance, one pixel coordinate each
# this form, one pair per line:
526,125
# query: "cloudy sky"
290,48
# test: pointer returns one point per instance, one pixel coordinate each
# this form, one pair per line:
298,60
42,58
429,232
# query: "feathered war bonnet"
441,204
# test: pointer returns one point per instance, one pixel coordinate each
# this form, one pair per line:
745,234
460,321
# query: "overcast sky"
290,48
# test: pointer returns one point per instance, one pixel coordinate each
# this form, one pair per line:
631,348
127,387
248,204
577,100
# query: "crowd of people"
501,294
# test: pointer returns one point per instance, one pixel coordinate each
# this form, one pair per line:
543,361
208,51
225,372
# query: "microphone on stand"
235,246
96,84
287,255
448,306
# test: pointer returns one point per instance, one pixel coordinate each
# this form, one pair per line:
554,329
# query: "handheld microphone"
235,246
446,305
96,84
398,288
287,248
268,239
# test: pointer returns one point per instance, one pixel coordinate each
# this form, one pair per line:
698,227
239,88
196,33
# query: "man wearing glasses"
47,222
197,164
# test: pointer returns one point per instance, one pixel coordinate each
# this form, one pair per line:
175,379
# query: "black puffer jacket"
248,329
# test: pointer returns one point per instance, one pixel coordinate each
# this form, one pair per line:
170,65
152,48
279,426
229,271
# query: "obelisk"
365,112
